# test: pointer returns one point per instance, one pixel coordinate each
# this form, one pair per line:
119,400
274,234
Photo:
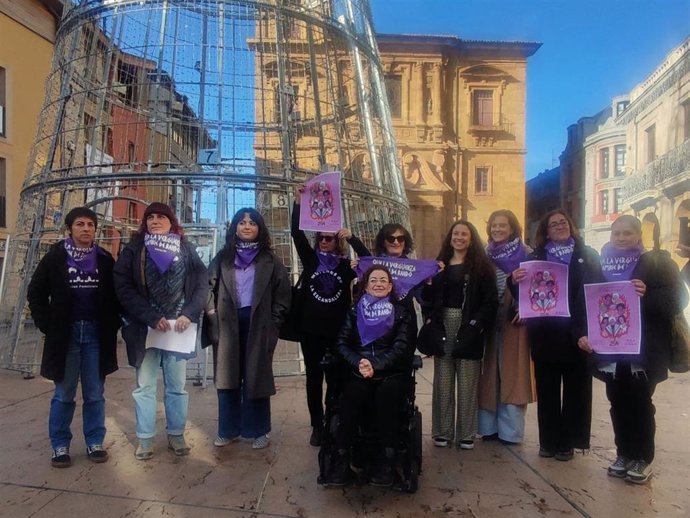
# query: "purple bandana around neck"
327,261
375,317
507,255
83,259
245,253
617,264
560,252
164,249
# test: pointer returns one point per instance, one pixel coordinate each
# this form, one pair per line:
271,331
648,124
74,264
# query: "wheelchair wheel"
413,460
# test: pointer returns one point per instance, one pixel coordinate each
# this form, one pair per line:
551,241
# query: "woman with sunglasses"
505,384
326,278
632,378
559,365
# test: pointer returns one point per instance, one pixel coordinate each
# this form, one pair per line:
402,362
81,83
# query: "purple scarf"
164,249
327,261
83,259
375,317
245,253
617,264
560,252
507,255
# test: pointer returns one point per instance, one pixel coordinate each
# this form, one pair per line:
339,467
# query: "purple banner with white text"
544,291
407,273
613,317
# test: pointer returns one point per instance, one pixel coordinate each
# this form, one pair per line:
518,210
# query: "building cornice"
436,43
664,78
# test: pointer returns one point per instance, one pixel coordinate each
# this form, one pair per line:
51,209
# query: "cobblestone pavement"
492,480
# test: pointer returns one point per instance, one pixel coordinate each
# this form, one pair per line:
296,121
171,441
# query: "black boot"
340,469
316,434
383,473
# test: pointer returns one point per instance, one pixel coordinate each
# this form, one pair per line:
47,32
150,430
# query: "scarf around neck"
164,249
327,261
560,251
84,259
375,317
618,264
507,255
245,253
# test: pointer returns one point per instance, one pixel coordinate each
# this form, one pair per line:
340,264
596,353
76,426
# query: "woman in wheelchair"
373,341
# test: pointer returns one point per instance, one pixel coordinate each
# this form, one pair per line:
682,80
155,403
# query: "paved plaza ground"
492,480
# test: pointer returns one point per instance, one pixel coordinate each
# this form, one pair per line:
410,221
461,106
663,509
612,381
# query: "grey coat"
270,303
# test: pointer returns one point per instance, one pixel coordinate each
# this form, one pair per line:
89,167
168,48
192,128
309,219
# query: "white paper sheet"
184,342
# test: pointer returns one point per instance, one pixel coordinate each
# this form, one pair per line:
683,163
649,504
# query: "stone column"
436,95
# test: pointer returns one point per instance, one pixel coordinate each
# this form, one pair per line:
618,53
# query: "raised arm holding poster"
613,317
544,291
320,204
406,273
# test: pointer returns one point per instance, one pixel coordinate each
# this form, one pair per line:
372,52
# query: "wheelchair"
365,444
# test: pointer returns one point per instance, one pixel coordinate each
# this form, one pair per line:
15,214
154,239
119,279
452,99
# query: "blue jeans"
238,415
82,360
176,399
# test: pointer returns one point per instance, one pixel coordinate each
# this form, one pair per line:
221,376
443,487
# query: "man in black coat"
72,301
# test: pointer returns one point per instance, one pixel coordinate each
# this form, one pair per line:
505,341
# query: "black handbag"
431,338
290,329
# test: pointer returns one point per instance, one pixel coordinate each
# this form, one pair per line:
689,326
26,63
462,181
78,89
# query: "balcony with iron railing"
496,123
667,172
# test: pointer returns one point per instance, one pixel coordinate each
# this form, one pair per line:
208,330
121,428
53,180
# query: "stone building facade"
458,109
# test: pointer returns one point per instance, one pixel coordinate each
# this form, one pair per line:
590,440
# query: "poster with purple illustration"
320,204
613,317
544,291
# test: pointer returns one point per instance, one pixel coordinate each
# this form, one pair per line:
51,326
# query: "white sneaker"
440,442
261,442
224,441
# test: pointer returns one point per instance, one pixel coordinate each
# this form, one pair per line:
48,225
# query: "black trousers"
632,413
313,349
387,397
565,422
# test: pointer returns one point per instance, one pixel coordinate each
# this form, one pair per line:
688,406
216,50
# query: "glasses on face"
326,239
383,281
561,223
393,239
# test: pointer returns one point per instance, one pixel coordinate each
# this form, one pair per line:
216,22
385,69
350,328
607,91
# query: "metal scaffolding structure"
209,106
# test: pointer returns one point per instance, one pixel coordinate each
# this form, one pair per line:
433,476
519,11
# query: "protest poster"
406,273
320,204
613,317
544,291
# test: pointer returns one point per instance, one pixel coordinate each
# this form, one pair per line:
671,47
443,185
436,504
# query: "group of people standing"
489,364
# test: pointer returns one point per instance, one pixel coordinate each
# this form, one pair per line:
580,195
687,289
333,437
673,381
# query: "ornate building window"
685,105
621,106
619,151
394,92
483,108
482,180
603,202
604,163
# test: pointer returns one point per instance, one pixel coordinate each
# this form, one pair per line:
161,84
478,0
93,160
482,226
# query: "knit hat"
162,209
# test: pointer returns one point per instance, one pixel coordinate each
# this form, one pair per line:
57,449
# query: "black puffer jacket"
664,298
388,355
50,302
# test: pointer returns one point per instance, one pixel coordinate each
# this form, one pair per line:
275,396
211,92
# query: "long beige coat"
517,372
270,303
